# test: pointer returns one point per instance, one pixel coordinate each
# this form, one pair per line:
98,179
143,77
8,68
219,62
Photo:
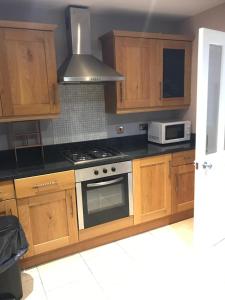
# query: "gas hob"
94,154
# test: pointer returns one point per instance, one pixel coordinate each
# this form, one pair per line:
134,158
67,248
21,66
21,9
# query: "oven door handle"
104,183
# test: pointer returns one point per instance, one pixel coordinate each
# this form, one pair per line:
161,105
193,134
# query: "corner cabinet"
157,70
47,211
28,76
152,188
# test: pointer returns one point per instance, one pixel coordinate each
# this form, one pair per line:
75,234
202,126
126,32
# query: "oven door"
103,200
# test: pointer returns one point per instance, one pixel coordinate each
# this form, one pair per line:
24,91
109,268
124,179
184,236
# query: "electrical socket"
120,129
143,126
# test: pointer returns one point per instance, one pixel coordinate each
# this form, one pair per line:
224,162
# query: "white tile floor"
156,265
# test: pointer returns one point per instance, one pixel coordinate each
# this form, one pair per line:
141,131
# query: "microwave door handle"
105,183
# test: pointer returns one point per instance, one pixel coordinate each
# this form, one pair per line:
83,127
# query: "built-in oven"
104,193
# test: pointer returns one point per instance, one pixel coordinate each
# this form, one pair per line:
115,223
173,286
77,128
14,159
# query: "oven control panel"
103,171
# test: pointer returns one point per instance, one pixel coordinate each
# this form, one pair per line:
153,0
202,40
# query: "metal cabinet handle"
42,185
161,90
170,168
121,92
105,183
176,184
71,202
1,105
1,195
54,93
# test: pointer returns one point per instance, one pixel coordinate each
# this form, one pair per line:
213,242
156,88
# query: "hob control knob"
96,172
113,169
105,170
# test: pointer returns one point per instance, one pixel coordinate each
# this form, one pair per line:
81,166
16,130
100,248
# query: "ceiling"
172,8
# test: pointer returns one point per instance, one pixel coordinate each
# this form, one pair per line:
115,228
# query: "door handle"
105,183
196,165
71,202
207,166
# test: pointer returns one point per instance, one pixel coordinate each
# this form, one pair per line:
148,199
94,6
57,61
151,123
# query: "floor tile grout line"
45,292
124,250
89,268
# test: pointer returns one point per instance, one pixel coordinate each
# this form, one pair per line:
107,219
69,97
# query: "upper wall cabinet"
156,69
28,76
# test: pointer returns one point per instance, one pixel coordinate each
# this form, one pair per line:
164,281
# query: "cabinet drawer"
6,190
183,158
43,184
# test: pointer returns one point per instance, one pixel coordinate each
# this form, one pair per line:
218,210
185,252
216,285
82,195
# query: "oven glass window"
174,132
105,200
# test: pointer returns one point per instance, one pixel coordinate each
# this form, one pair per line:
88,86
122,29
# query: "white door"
209,213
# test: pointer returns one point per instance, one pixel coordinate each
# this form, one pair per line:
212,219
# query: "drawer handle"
43,185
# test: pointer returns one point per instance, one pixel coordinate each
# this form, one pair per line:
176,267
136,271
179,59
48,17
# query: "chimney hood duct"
81,66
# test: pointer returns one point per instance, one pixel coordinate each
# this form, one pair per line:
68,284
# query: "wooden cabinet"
7,190
134,58
183,174
156,69
152,188
8,207
47,211
28,76
7,199
174,61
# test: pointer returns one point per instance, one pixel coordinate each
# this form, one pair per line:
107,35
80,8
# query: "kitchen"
98,130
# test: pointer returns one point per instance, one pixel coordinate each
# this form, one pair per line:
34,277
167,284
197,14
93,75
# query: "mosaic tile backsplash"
83,118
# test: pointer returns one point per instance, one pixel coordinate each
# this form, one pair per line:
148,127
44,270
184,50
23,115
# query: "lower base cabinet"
8,207
163,186
49,218
152,188
183,177
49,221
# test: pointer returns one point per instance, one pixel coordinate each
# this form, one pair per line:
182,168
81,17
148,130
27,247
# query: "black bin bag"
13,245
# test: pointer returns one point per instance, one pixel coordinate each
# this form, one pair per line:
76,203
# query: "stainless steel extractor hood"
81,66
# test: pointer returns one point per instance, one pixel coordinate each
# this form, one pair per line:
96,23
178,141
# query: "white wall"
213,19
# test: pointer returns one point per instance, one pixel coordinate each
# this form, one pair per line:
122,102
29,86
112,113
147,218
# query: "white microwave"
165,132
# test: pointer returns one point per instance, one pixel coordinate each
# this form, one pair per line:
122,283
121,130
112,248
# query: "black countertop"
31,164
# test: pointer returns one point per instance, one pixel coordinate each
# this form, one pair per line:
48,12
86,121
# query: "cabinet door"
174,61
1,91
8,207
152,188
49,221
135,59
27,63
183,187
